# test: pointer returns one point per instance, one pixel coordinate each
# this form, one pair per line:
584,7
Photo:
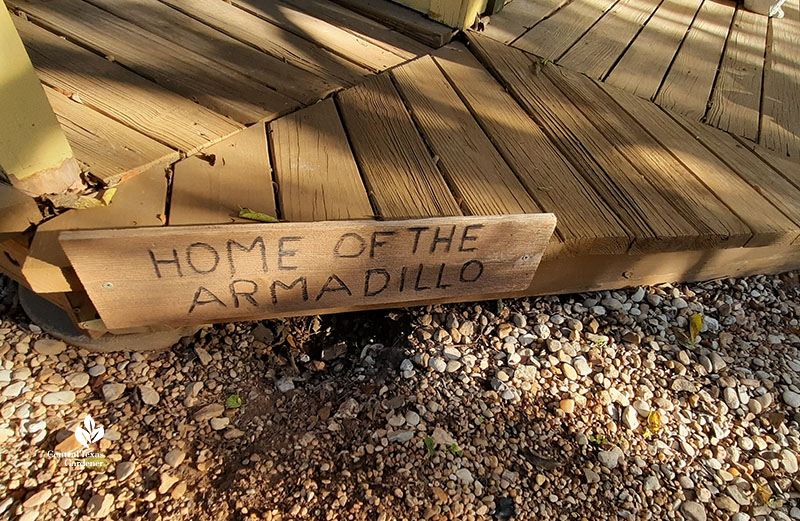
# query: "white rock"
219,423
581,365
652,483
731,398
149,395
209,411
100,505
59,398
97,370
465,476
693,511
203,355
112,391
77,380
638,295
630,418
285,384
610,458
49,346
406,365
174,458
451,353
591,476
13,390
400,436
437,364
412,418
717,363
679,303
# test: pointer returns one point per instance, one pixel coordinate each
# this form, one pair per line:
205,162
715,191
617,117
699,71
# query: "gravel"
591,406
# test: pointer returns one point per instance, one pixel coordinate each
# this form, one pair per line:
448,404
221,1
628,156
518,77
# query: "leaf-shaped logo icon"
89,433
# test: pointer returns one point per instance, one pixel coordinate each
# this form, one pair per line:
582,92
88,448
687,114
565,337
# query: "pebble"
100,505
218,424
791,398
77,380
124,470
591,476
630,418
59,398
569,371
36,499
49,346
437,364
112,391
97,370
465,476
284,384
400,436
13,390
567,405
610,458
451,353
581,366
693,511
209,411
148,395
203,355
174,458
731,398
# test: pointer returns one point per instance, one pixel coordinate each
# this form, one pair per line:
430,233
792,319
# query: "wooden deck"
642,193
710,60
145,82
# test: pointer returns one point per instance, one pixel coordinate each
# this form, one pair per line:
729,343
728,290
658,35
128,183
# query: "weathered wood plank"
188,275
687,87
138,202
185,31
643,66
780,119
402,19
273,40
555,35
317,176
122,95
736,187
519,16
323,34
111,151
585,222
736,100
219,88
17,212
472,166
786,167
644,211
402,178
213,186
599,49
363,26
716,224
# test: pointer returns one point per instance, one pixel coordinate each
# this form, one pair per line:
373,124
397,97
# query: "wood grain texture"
240,177
472,166
644,65
781,186
194,76
184,275
644,211
399,172
585,222
273,40
17,212
687,86
519,16
715,223
110,151
138,202
363,26
317,176
555,35
780,119
184,31
404,20
325,35
786,167
597,51
736,100
735,187
122,95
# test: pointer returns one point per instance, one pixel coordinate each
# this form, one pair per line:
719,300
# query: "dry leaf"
247,213
695,326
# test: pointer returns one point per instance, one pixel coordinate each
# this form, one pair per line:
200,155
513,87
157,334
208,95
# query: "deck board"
399,172
315,170
327,36
122,95
240,177
643,66
733,185
585,222
519,16
687,87
555,35
273,40
190,74
780,120
110,151
472,166
736,100
18,212
601,47
184,31
643,210
716,224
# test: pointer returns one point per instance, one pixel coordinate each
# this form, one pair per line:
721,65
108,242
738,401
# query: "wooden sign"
198,274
